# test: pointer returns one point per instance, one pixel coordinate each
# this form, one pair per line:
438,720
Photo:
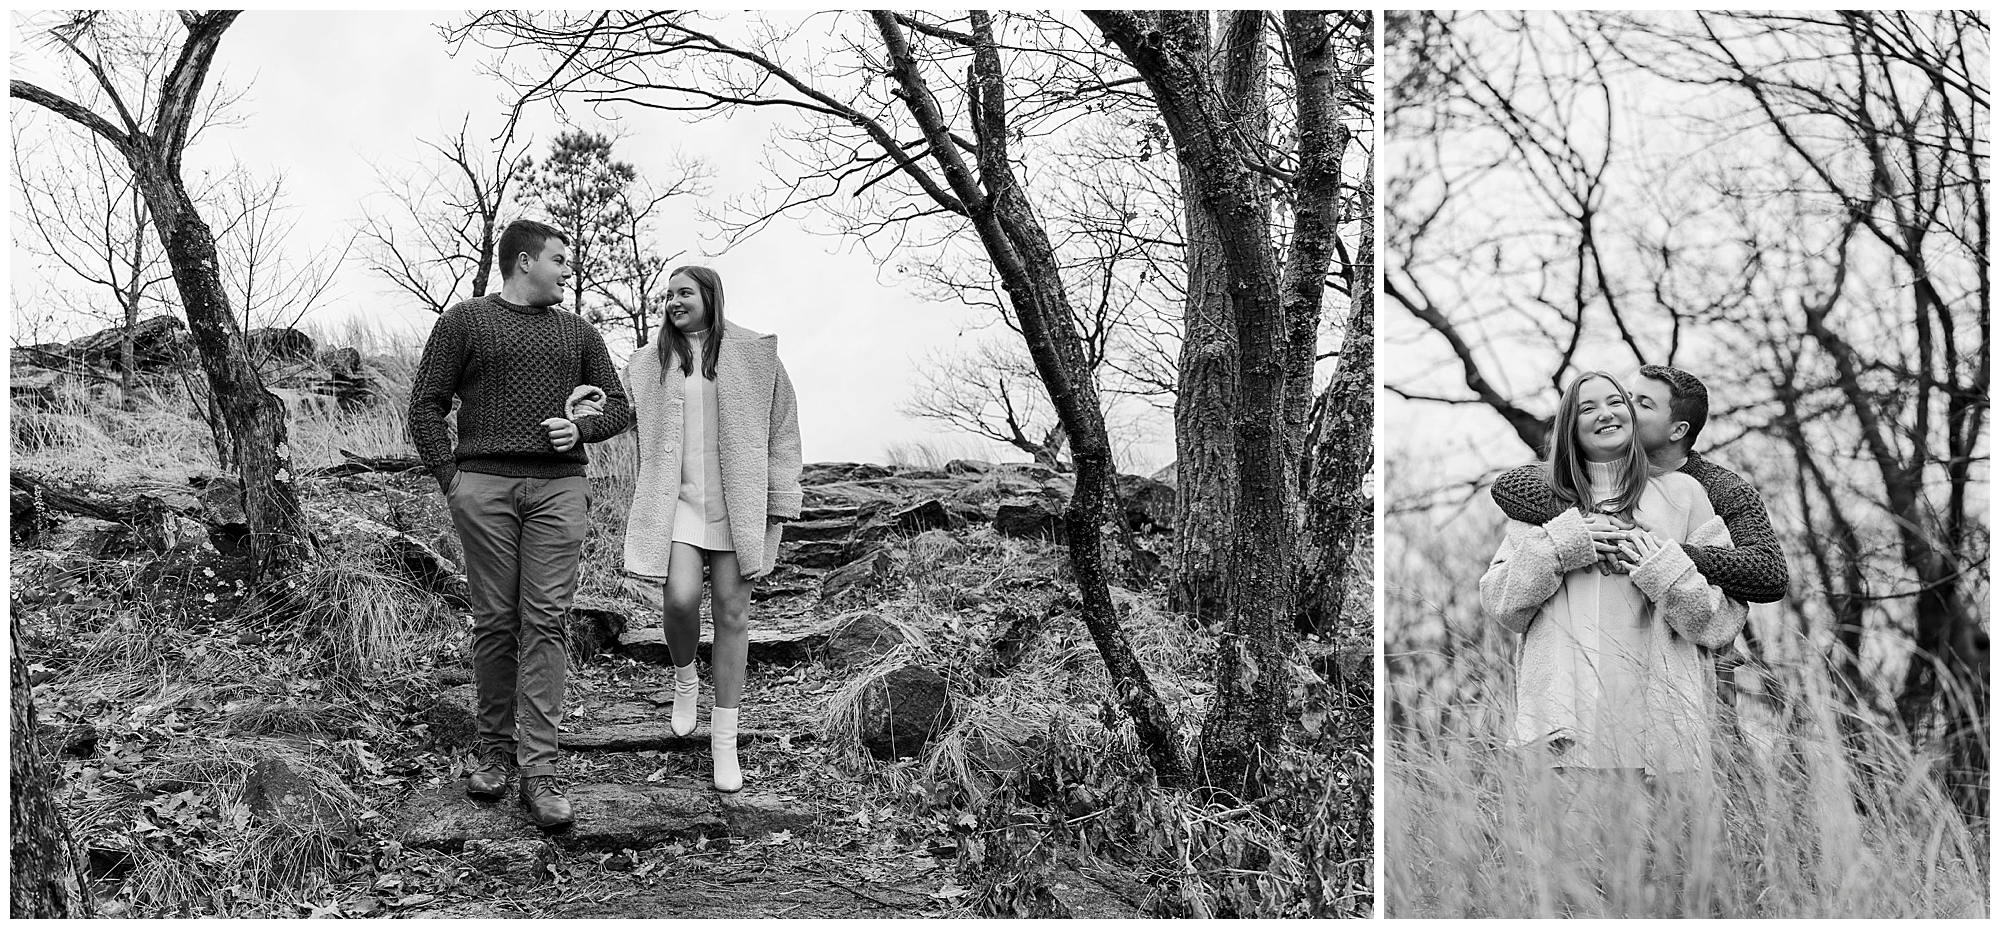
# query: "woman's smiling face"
685,307
1603,420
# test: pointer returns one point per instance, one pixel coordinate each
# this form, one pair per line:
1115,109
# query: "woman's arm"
1530,565
1703,613
786,496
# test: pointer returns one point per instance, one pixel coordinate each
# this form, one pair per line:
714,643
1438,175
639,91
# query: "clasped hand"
1620,544
585,400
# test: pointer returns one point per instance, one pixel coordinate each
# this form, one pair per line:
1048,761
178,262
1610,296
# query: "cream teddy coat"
1526,589
758,443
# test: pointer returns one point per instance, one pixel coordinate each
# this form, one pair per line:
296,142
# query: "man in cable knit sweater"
519,499
1669,408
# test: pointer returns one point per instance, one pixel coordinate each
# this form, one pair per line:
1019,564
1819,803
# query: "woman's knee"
732,616
681,605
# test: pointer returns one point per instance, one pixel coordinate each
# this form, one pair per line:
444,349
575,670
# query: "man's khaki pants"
523,537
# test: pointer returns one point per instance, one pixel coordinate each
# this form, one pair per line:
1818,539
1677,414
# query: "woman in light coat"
718,475
1611,672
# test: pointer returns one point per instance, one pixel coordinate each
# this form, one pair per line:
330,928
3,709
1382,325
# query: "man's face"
547,273
1652,413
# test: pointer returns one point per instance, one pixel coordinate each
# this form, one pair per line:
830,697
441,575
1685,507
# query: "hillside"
929,725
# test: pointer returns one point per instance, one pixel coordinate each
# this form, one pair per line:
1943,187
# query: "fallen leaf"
950,892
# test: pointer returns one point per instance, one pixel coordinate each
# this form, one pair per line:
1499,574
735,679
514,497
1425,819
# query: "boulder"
281,344
221,500
821,554
594,627
966,466
341,363
348,379
1029,518
818,530
511,859
867,573
1148,503
276,792
814,513
32,388
859,639
1031,470
903,710
160,342
88,538
929,514
829,472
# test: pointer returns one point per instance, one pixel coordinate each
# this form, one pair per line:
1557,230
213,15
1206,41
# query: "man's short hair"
524,235
1689,399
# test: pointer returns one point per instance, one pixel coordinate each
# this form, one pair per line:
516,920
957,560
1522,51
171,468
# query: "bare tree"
994,393
1276,306
891,129
149,126
85,211
1905,106
1820,252
267,284
435,239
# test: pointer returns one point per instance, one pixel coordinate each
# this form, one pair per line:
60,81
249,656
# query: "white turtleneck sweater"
700,518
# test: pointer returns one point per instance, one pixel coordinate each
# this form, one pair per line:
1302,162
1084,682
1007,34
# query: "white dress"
700,518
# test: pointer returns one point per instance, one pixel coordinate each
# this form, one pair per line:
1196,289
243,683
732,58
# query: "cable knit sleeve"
1523,493
786,456
432,390
600,372
1754,569
1703,613
1530,565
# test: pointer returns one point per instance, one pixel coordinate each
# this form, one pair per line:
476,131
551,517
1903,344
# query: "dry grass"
1053,775
180,710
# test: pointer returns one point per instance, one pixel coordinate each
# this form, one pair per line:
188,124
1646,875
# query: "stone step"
631,725
775,643
608,816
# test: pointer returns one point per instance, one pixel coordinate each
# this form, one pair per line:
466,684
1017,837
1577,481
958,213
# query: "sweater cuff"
1656,575
1571,540
444,474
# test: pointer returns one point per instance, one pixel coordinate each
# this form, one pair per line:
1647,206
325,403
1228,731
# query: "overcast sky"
329,95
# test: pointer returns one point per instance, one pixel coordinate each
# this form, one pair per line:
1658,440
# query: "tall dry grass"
182,709
1812,809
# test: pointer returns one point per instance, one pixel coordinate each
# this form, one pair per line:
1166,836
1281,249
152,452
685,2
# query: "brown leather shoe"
486,772
543,796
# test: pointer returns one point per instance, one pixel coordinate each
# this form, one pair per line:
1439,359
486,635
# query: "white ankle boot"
687,692
722,743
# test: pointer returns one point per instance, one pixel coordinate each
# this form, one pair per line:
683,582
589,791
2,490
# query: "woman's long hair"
1565,463
674,342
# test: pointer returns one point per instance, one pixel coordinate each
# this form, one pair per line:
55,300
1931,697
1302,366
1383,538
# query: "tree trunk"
1338,514
1246,721
44,880
1013,238
1204,426
482,273
256,419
